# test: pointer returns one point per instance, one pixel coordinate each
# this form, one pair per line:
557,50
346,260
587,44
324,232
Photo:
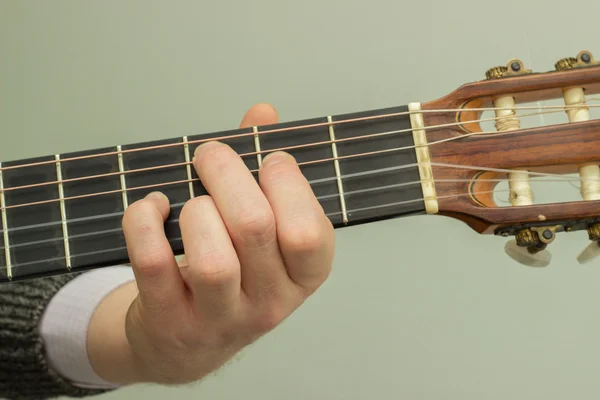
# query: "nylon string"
334,196
324,124
16,266
408,130
561,177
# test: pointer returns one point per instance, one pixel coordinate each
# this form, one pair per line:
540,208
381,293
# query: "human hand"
253,255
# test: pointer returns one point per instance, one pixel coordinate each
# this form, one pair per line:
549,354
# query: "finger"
305,234
154,265
247,216
258,115
213,269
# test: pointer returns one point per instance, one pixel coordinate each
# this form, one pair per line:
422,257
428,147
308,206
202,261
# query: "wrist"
109,350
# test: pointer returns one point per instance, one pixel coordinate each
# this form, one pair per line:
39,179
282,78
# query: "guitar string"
175,206
362,209
261,152
487,134
307,126
170,183
313,183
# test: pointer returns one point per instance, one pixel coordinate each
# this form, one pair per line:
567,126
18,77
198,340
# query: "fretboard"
62,213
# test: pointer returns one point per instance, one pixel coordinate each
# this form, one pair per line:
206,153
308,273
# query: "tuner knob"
592,251
529,246
514,67
583,59
528,256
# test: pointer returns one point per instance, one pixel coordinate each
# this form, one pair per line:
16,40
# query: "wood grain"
557,149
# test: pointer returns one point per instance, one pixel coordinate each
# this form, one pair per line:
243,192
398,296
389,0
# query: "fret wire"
63,211
5,225
188,166
338,175
122,178
257,145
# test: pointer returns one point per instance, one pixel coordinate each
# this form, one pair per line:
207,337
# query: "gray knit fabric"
24,372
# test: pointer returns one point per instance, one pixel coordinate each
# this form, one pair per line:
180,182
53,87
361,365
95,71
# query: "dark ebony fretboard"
77,234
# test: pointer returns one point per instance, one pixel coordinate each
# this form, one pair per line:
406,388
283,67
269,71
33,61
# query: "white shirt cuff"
64,325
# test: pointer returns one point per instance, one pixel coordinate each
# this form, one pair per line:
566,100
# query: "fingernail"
156,196
277,157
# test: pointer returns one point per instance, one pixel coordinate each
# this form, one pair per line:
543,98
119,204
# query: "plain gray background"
420,308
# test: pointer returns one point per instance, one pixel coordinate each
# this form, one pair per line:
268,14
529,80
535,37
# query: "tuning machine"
592,251
589,173
530,246
583,59
513,67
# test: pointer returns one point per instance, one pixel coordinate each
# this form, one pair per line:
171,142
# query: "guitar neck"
62,213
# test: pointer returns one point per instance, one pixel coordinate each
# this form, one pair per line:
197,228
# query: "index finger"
159,281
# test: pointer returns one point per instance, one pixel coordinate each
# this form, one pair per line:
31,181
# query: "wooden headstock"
517,154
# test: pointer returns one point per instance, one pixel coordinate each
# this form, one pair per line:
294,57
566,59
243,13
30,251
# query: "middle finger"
248,217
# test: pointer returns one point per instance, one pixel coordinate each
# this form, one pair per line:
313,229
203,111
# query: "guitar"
62,213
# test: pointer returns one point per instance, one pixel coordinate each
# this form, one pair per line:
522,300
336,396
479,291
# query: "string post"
583,59
589,173
529,246
520,193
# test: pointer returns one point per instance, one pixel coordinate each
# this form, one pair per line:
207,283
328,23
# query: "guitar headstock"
495,132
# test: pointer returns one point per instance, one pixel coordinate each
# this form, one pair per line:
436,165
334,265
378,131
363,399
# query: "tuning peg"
530,246
513,67
583,59
593,249
528,256
588,254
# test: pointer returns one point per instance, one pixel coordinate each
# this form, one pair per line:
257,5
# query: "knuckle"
212,154
270,318
270,291
152,264
213,269
194,206
141,206
305,238
274,174
318,280
136,217
255,222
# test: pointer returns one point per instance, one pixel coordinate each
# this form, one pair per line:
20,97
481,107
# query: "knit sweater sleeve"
25,373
